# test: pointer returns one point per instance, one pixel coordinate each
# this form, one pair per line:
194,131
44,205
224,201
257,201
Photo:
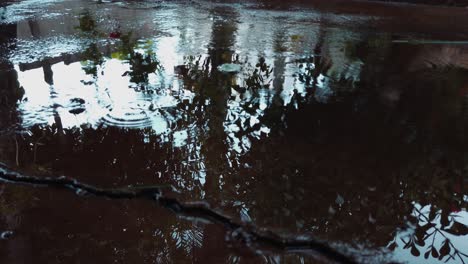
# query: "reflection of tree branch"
247,235
457,252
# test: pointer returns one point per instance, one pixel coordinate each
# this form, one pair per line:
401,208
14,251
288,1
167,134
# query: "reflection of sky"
107,101
22,10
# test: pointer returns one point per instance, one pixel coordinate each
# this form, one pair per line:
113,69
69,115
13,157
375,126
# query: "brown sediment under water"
233,132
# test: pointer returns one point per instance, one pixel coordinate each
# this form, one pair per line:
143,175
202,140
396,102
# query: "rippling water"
306,120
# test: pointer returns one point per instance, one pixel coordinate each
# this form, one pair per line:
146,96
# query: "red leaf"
114,35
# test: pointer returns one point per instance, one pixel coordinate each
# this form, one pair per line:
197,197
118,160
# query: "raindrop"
6,235
339,200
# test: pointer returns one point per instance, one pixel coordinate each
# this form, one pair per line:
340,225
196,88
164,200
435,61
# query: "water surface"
308,121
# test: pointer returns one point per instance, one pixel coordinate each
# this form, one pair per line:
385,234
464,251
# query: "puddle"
297,120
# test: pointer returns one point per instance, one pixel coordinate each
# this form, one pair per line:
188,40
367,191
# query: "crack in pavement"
248,235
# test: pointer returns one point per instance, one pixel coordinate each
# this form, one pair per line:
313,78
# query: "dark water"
349,128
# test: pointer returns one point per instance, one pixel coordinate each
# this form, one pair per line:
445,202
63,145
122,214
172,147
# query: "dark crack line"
64,182
247,235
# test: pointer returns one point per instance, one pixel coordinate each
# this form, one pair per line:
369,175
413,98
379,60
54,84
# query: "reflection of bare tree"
46,65
216,91
48,74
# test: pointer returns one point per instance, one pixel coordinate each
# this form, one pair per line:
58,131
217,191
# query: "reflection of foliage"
11,92
195,72
311,68
356,139
141,64
173,242
87,22
426,232
197,76
186,238
260,76
93,59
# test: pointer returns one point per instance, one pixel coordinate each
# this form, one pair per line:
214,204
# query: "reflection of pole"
48,74
46,65
35,29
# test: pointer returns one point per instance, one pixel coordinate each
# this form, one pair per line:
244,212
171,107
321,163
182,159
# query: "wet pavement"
306,121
